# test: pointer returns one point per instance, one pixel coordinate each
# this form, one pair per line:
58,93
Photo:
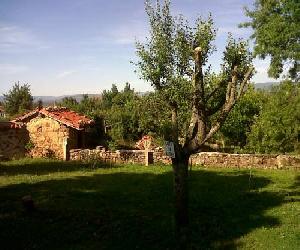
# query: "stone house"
13,138
53,131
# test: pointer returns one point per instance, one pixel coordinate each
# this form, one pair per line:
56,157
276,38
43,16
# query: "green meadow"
95,206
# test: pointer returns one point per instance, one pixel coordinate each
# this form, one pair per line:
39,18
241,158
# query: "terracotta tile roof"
27,116
60,114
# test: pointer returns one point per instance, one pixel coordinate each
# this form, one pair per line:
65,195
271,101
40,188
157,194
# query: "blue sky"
84,46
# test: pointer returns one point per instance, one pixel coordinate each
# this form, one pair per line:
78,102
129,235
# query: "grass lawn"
131,207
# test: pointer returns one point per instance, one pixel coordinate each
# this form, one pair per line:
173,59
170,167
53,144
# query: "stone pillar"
66,149
146,157
147,144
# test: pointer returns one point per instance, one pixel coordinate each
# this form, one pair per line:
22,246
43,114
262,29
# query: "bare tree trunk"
180,168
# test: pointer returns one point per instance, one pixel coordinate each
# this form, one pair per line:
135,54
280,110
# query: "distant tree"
175,61
277,129
39,103
154,115
121,113
128,88
87,105
240,119
18,99
69,102
108,95
276,32
114,89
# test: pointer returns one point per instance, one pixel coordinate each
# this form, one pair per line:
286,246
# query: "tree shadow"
296,184
292,193
47,166
133,211
228,207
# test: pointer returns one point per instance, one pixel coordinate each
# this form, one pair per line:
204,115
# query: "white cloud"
261,75
66,73
124,34
10,69
128,34
18,39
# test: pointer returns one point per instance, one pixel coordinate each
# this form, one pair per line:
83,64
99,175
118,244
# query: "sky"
63,47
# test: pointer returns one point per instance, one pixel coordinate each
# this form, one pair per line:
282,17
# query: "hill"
266,85
51,100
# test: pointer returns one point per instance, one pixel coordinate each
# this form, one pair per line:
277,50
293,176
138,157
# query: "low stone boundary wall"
245,160
215,159
119,156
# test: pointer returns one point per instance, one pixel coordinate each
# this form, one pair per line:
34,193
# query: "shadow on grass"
47,166
292,194
133,211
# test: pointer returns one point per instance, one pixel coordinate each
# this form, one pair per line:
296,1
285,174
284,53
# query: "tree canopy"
239,121
121,110
18,99
174,60
276,33
277,128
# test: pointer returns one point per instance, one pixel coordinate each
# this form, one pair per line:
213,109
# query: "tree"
127,88
240,119
174,60
108,95
277,128
69,102
18,99
39,104
276,33
121,113
154,116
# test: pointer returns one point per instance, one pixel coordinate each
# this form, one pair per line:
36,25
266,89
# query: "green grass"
131,207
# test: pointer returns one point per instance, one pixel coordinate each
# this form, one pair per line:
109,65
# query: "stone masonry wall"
47,137
245,160
206,158
12,141
120,156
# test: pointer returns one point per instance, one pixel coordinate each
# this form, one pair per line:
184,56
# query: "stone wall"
206,158
119,156
13,138
48,136
245,160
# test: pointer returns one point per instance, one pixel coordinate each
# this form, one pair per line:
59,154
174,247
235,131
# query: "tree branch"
214,91
231,97
215,109
231,85
230,102
198,107
245,82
